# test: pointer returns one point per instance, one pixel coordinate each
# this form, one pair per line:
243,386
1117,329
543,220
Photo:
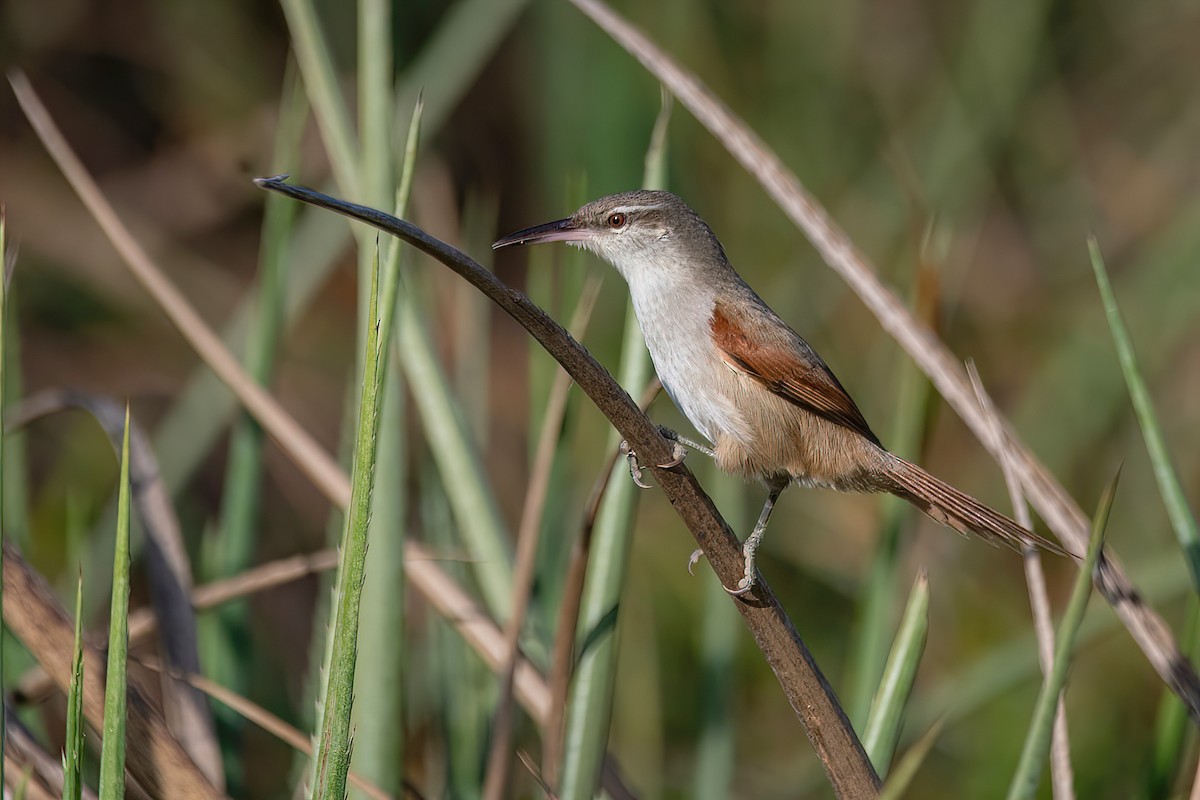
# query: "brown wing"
786,365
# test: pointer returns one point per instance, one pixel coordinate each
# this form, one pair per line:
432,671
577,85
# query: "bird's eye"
616,221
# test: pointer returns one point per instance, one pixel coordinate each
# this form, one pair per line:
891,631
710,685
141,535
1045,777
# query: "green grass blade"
239,510
654,174
188,431
374,162
321,81
1171,719
392,272
112,755
379,694
332,756
590,704
879,593
460,691
375,100
882,731
228,653
1166,320
476,512
961,695
1182,519
73,751
902,776
1037,741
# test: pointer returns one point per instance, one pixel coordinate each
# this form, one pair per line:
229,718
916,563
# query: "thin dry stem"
562,658
535,773
256,714
1062,775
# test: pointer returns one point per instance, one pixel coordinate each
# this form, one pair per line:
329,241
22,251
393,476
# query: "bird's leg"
679,453
750,546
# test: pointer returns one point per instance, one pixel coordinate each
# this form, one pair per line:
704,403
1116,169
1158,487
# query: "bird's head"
633,231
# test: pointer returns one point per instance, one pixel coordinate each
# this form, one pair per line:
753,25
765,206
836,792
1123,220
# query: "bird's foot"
749,552
635,469
745,585
682,442
678,454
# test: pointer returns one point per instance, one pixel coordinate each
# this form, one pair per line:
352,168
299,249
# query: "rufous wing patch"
797,374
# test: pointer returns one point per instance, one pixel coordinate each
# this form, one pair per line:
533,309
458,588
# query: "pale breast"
675,321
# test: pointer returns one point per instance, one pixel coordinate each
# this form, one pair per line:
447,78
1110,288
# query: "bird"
768,404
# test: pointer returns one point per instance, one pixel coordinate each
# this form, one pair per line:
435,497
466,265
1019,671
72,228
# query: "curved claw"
636,475
635,469
694,559
679,453
745,586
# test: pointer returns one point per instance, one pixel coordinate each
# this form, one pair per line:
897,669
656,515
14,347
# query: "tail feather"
954,509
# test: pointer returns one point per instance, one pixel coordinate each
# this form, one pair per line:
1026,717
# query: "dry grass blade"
1036,749
526,557
170,573
1061,774
35,684
909,763
442,592
563,656
1059,510
258,715
314,462
154,758
23,746
810,695
259,579
527,761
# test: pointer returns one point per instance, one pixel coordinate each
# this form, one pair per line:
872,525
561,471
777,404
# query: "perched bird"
751,385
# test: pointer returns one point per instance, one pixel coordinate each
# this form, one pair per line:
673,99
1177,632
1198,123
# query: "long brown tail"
954,509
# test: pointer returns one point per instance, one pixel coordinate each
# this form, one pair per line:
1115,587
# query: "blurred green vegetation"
980,142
